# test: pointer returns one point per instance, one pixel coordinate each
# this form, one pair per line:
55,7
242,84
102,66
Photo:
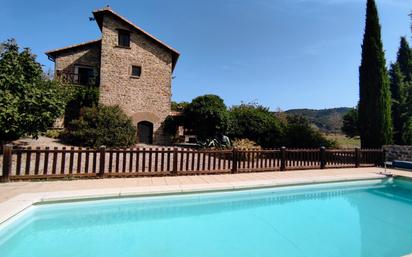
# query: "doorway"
145,132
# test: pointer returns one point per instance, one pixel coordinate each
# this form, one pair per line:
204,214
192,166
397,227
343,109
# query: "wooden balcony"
83,79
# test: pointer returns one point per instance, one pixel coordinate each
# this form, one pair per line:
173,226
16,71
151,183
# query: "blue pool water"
370,218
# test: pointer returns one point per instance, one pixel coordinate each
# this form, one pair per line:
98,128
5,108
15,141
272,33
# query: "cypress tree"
374,95
398,91
404,59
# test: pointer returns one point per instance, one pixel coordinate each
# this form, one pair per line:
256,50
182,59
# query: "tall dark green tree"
375,100
398,91
404,59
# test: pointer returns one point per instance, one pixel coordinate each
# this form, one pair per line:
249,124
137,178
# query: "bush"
53,133
80,97
206,116
300,133
256,123
171,125
246,144
103,125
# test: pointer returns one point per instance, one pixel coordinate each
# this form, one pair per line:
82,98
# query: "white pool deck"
17,196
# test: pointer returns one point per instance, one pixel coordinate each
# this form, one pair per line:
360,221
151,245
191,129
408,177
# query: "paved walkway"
17,196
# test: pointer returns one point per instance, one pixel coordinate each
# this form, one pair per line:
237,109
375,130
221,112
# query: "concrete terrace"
17,196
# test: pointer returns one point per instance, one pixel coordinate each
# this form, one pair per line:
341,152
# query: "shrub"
171,125
53,133
103,125
206,116
79,97
245,143
256,123
179,106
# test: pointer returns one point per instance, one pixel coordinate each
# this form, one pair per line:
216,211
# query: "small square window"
136,71
123,38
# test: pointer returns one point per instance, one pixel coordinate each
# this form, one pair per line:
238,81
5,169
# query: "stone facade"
143,98
84,55
398,152
146,98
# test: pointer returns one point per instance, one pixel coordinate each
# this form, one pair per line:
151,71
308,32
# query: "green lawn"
343,141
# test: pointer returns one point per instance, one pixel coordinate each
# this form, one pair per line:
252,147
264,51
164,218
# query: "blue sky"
280,53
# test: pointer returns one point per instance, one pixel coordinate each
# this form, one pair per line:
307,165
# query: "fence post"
234,160
175,153
282,158
383,158
102,160
357,157
7,155
322,157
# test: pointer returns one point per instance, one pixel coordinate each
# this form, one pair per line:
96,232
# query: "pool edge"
20,203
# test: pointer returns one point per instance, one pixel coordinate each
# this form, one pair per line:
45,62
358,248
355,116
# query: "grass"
343,141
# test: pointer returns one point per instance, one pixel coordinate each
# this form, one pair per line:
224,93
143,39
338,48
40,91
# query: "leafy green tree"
29,102
256,123
102,125
374,104
298,132
351,123
207,116
398,94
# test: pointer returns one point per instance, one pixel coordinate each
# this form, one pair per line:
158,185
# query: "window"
123,38
136,71
84,75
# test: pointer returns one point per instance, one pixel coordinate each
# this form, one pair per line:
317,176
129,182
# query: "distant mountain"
327,120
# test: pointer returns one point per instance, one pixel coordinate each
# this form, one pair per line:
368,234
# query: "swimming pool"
364,218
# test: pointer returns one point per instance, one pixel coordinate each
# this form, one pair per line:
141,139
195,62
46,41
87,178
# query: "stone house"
132,69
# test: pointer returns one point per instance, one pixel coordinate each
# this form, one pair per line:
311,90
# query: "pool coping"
22,202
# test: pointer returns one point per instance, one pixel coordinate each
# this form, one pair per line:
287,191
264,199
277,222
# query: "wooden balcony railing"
77,79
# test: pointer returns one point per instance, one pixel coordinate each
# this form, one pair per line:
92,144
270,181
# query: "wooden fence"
43,163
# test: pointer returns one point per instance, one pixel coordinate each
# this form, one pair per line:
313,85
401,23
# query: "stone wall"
398,152
88,55
143,98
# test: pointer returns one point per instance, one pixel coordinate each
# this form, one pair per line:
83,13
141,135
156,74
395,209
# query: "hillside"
327,120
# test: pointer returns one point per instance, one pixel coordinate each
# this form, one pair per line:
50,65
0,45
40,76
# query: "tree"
206,116
102,125
298,132
404,59
29,102
398,93
407,132
374,104
256,123
351,123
